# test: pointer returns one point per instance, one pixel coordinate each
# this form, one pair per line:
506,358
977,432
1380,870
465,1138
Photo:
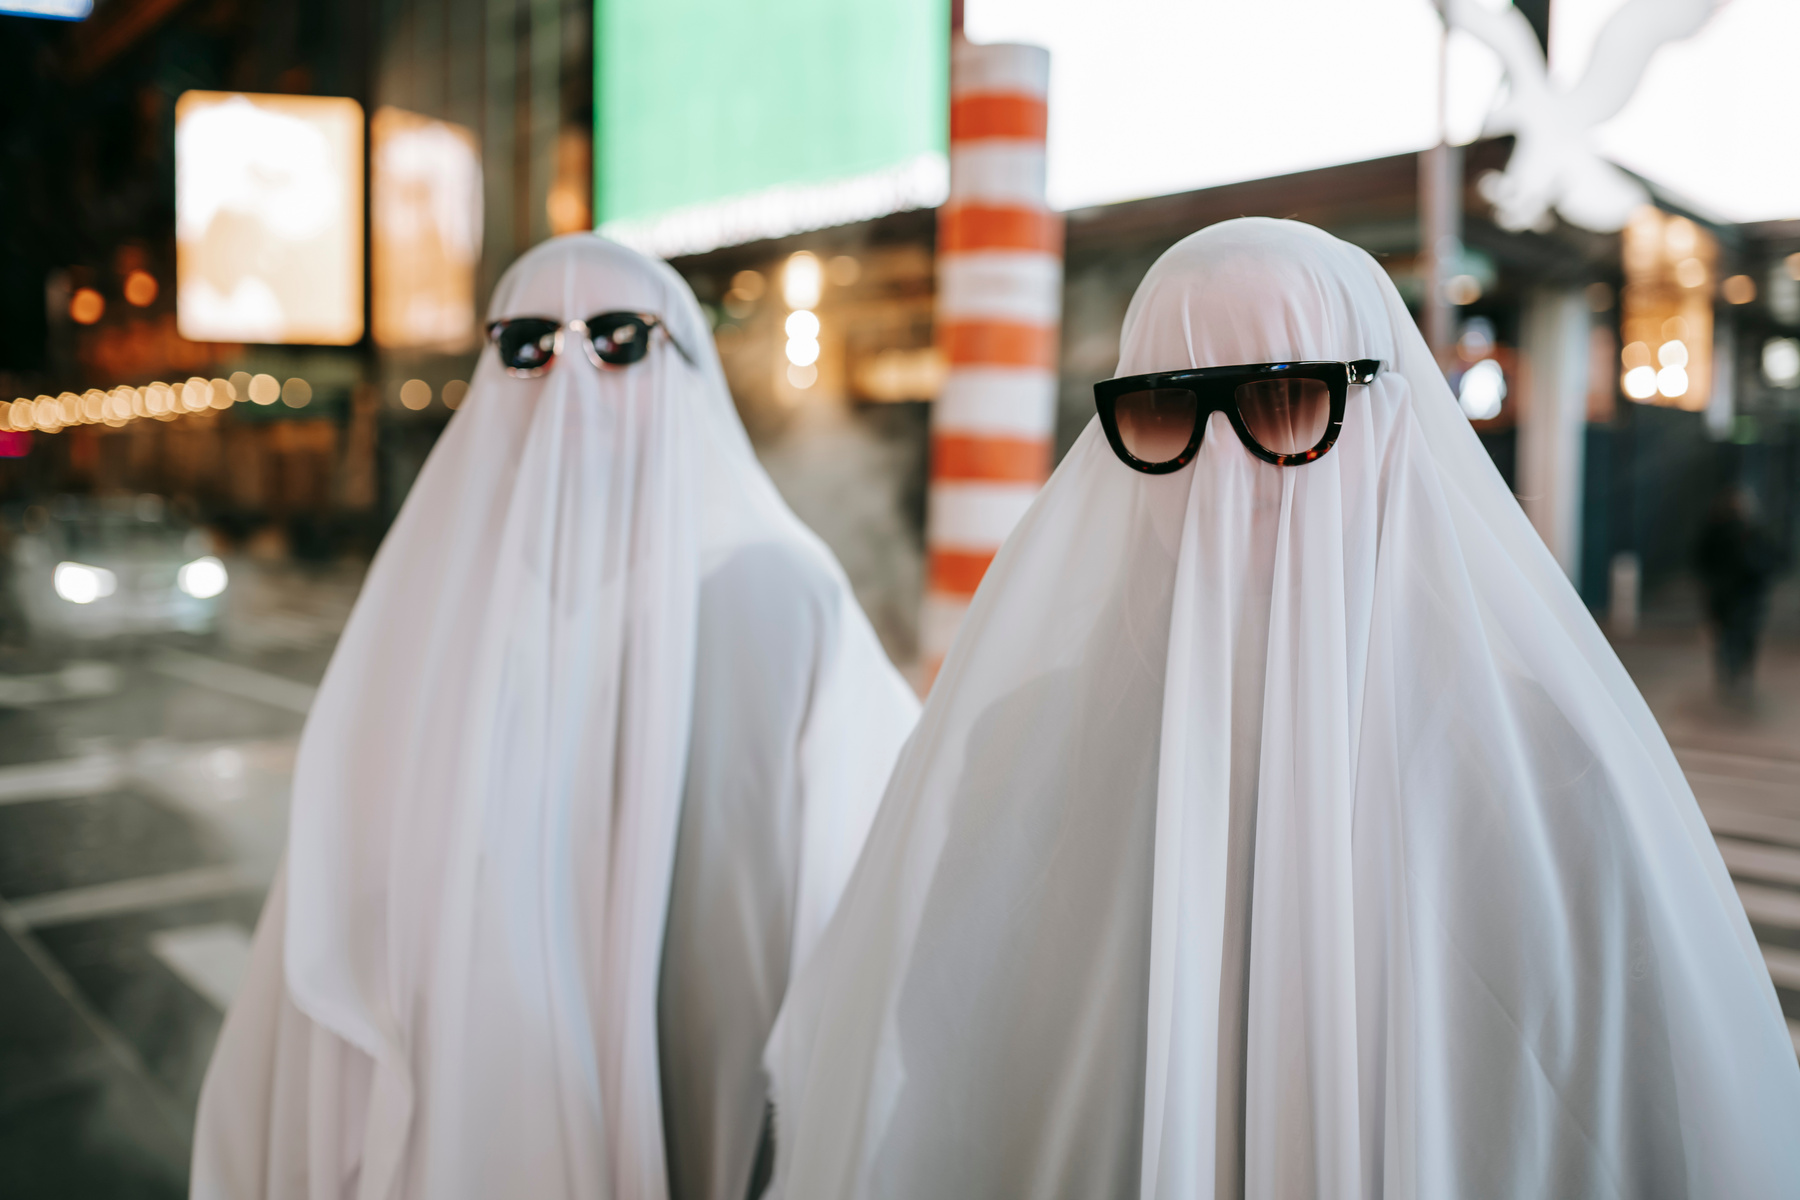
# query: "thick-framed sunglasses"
1285,413
528,345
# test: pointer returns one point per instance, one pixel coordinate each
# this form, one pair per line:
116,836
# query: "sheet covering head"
1278,832
488,789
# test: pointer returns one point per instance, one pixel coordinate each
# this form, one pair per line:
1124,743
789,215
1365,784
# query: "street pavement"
143,807
143,803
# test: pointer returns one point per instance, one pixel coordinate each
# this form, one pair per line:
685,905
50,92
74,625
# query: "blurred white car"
86,569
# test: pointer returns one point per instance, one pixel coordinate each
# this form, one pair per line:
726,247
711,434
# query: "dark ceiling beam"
114,30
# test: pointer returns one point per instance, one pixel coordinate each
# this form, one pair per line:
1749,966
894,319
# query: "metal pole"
999,306
1440,219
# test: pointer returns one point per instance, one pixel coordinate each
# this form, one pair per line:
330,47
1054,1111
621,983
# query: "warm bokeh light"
802,375
265,389
749,285
86,306
1739,289
415,394
140,289
843,271
802,280
296,393
1640,382
803,352
1462,289
455,392
1667,303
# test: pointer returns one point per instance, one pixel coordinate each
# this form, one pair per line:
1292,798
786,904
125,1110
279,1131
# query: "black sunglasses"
528,345
1284,413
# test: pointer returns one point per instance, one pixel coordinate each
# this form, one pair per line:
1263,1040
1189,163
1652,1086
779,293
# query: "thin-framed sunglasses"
528,345
1285,413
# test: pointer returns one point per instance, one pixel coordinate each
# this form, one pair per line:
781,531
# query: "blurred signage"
1291,85
268,218
54,10
720,122
427,230
1666,310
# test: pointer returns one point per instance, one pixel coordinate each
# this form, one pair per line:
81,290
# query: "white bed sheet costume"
600,683
1285,833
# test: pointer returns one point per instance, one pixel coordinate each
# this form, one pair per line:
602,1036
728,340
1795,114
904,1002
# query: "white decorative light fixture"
1554,164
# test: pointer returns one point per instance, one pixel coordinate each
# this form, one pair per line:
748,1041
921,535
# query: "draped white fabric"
1285,833
455,990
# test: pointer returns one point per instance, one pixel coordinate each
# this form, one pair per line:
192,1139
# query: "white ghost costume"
1285,833
585,777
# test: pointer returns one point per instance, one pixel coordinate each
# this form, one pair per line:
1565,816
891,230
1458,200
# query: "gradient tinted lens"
527,343
1156,424
619,338
1285,416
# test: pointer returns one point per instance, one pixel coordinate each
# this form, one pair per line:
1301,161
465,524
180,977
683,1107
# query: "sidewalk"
1673,668
1743,762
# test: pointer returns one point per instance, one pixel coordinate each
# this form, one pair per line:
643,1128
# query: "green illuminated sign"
719,120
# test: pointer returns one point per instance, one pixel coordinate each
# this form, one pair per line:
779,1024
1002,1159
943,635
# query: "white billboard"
268,218
427,231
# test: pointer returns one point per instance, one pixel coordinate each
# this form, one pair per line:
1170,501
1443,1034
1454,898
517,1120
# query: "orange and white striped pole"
999,304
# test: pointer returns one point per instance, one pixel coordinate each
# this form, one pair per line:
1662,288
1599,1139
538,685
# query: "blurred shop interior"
276,366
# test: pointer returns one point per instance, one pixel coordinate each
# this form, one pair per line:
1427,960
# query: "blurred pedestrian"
582,783
1282,824
1737,561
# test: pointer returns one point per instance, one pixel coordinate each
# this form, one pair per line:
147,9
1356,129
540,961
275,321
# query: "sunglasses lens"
526,344
620,339
1285,416
1156,424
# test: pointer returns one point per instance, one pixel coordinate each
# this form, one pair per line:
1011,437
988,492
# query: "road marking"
235,680
1770,906
177,1117
130,895
211,959
78,680
55,780
1777,864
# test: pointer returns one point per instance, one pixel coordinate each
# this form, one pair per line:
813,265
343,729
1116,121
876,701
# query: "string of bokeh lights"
167,401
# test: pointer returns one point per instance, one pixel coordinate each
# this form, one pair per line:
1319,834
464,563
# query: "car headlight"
79,583
203,578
